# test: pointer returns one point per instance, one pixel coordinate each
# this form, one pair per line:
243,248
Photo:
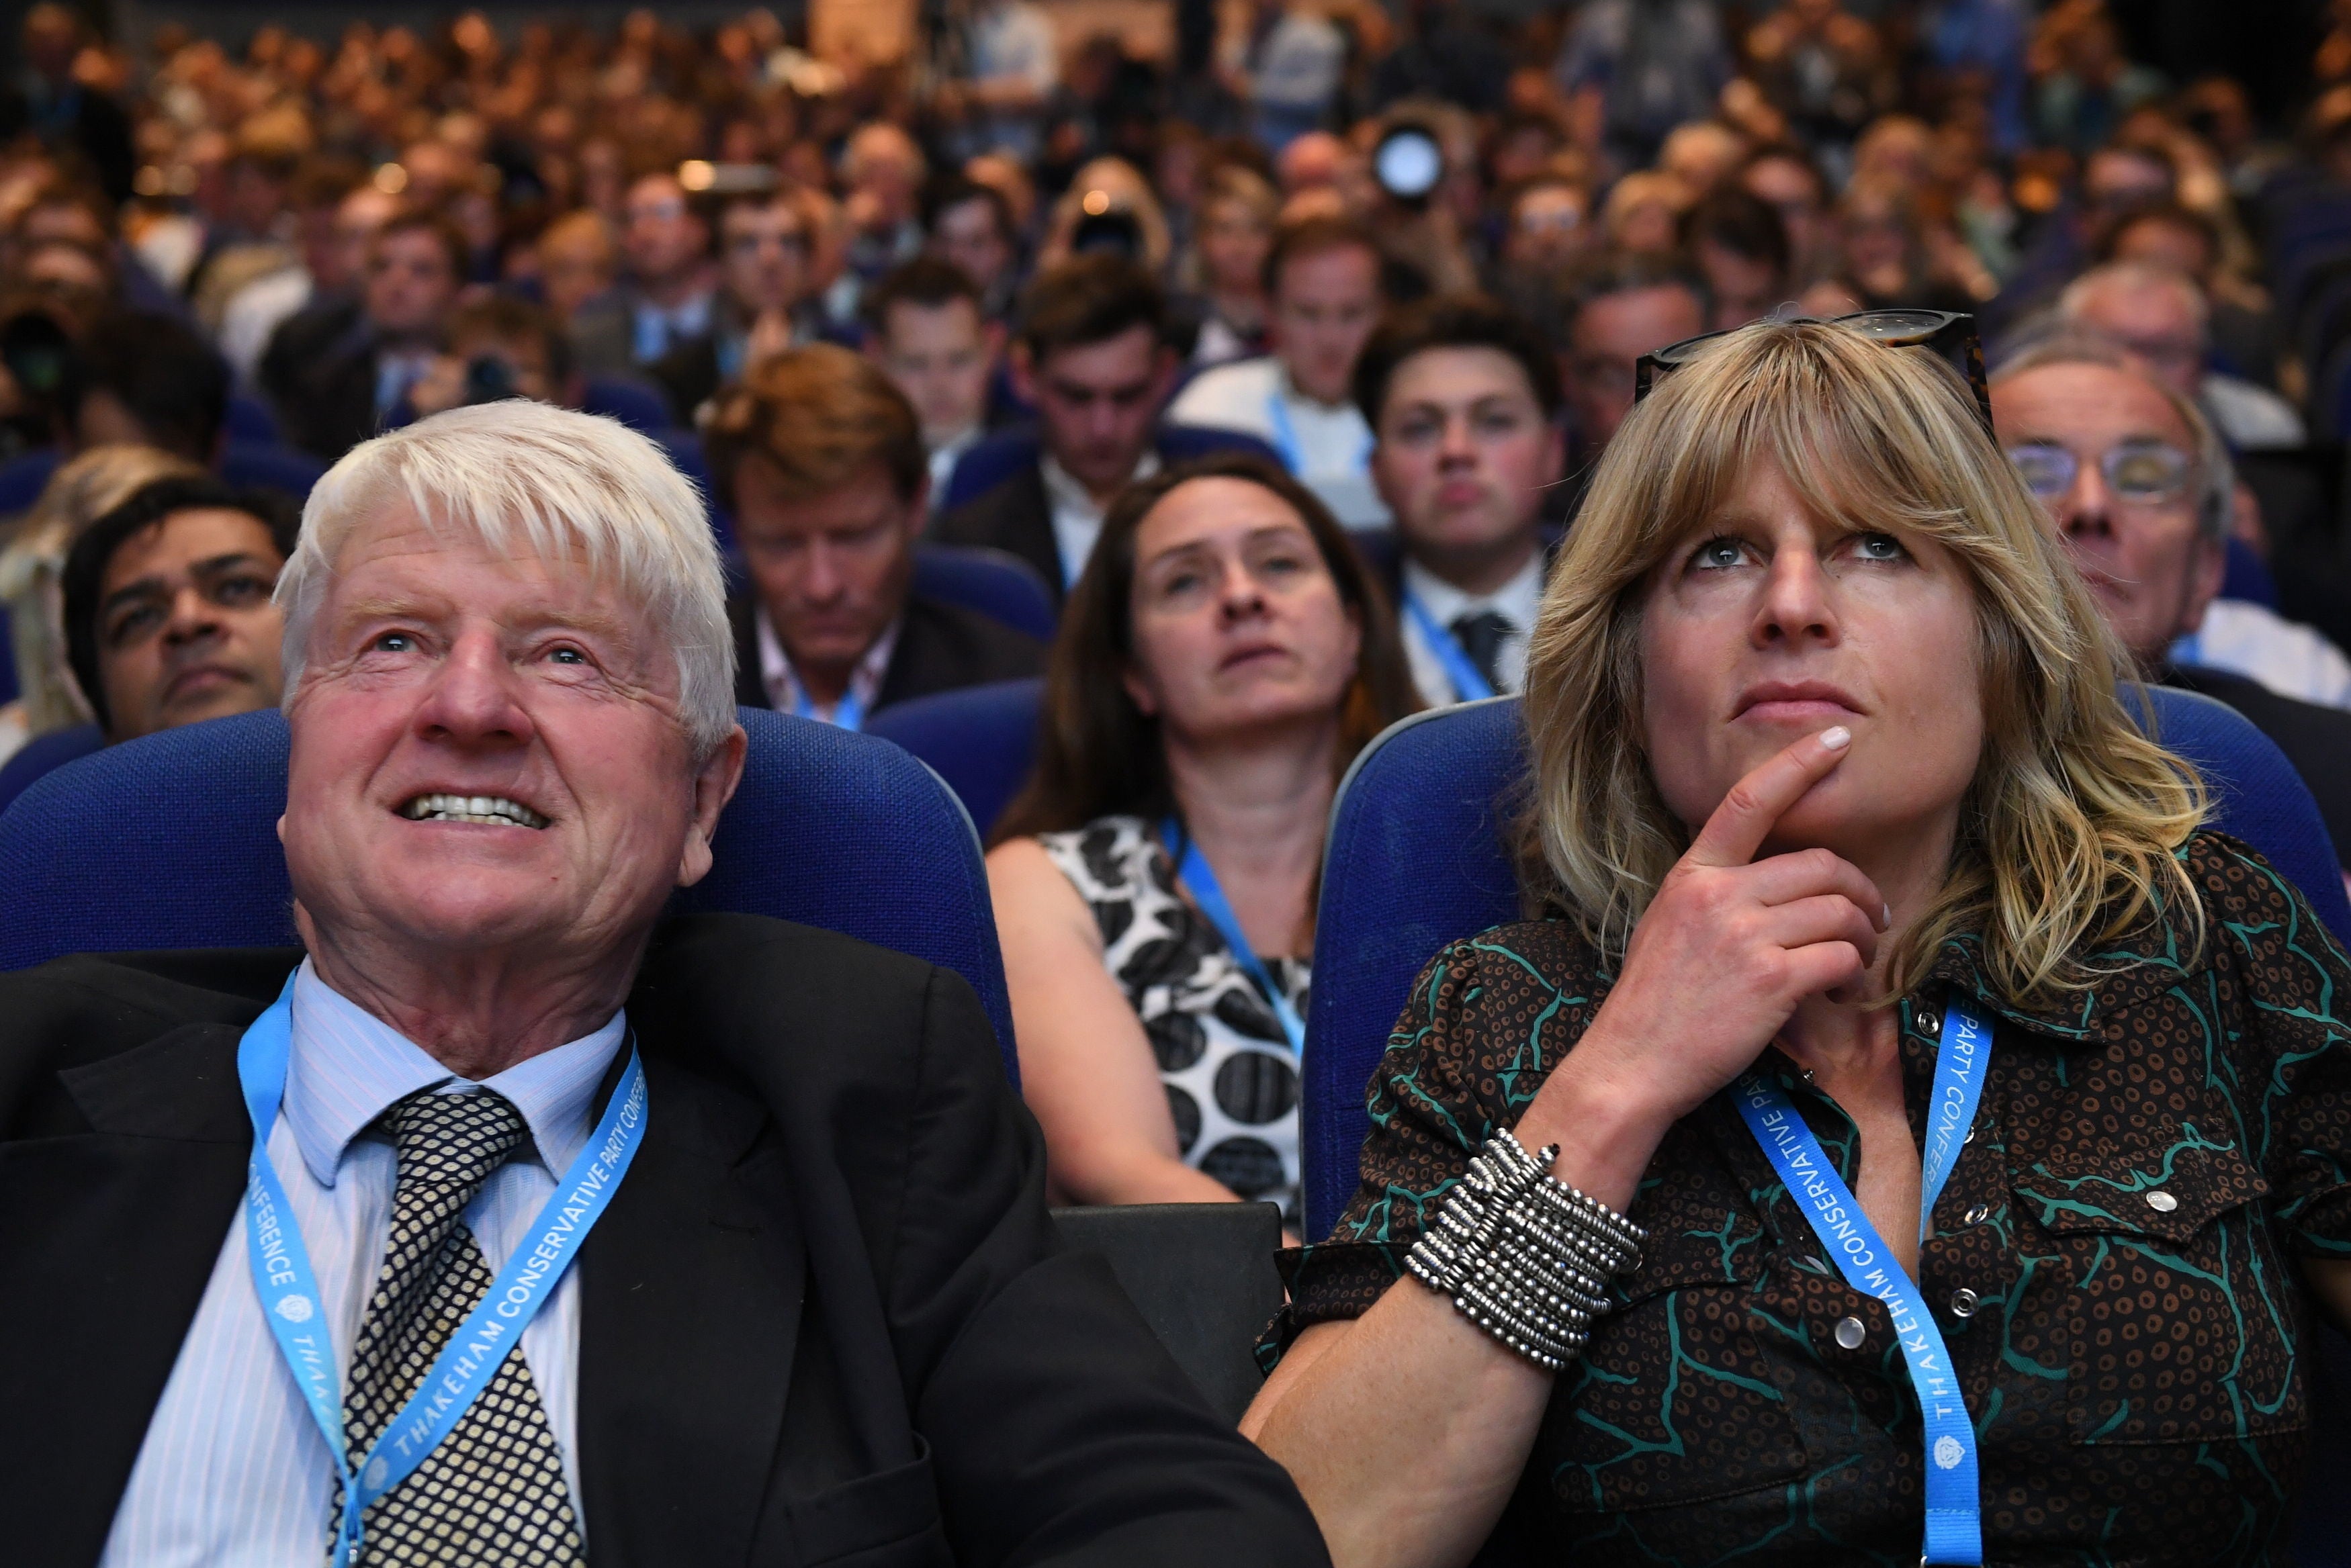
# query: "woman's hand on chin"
1725,953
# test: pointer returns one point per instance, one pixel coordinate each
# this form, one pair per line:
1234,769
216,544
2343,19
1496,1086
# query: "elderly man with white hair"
506,1220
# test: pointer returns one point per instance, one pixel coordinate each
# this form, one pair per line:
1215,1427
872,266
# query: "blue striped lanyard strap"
849,714
1200,878
1469,683
289,1288
1954,1508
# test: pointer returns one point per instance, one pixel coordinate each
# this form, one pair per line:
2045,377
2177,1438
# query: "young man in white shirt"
1322,280
1462,396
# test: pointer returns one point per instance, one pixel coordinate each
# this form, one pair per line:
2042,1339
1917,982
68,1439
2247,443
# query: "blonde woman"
32,567
1898,1044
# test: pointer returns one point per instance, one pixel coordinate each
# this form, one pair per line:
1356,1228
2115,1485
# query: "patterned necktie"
493,1493
1482,635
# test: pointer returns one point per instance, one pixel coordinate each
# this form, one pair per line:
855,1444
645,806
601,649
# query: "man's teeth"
491,808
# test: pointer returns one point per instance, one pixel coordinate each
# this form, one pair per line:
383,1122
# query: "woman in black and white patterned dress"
1222,658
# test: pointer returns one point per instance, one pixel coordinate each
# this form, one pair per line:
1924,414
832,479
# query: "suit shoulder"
102,1003
980,519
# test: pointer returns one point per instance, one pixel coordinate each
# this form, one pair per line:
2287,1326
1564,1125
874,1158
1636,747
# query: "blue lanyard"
1201,877
1954,1511
1284,436
289,1290
1469,683
849,714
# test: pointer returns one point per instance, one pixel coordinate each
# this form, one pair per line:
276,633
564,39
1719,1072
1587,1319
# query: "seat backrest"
271,468
1417,857
251,419
996,582
42,755
982,740
634,403
988,462
171,841
1202,1274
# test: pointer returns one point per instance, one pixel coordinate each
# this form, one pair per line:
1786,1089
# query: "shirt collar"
1516,601
348,1067
782,682
1067,495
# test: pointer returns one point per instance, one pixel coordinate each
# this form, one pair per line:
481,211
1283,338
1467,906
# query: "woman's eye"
1878,547
1716,554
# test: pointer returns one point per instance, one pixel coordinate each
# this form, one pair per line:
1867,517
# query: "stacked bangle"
1523,1255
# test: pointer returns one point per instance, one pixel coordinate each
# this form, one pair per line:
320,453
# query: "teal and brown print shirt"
2115,1263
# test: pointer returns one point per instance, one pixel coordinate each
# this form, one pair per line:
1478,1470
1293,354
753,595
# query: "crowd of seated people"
1816,421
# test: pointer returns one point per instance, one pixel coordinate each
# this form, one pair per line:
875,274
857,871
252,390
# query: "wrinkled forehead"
398,560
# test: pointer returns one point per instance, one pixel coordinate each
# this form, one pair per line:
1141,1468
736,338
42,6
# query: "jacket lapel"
111,1236
691,1294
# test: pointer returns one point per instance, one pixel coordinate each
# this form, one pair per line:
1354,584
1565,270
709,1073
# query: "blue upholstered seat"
982,740
171,842
637,404
1416,858
997,583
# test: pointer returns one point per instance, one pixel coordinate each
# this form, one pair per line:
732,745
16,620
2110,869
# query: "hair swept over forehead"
525,477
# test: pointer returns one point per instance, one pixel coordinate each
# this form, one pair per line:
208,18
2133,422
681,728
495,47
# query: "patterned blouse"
2114,1267
1231,1082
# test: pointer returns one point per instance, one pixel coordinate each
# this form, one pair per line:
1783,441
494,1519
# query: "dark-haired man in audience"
149,380
969,225
2138,485
1618,308
1322,283
667,299
167,608
1740,246
416,264
1093,360
927,328
819,459
1463,399
763,265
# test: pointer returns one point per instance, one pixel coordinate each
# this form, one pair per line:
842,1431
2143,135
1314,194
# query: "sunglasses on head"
1950,335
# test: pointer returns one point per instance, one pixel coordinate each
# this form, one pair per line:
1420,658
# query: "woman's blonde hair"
32,570
2071,826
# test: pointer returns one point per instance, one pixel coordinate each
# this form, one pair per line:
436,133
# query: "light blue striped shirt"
233,1472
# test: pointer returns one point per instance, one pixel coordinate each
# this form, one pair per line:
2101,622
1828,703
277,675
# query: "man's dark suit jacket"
941,648
2316,740
1016,515
825,1320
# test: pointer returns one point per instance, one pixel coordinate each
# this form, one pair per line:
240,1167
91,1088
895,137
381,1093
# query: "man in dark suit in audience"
819,458
1463,397
1093,357
336,397
2138,485
284,1274
667,298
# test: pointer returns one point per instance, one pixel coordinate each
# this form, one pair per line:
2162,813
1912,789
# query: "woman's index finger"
1757,802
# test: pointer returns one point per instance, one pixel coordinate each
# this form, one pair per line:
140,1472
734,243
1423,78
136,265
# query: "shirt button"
1926,1023
1963,1302
1852,1332
1978,1214
2162,1202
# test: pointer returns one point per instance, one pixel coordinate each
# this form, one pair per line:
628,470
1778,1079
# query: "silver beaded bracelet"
1523,1255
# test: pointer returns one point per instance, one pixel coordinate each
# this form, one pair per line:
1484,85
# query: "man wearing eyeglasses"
2139,488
